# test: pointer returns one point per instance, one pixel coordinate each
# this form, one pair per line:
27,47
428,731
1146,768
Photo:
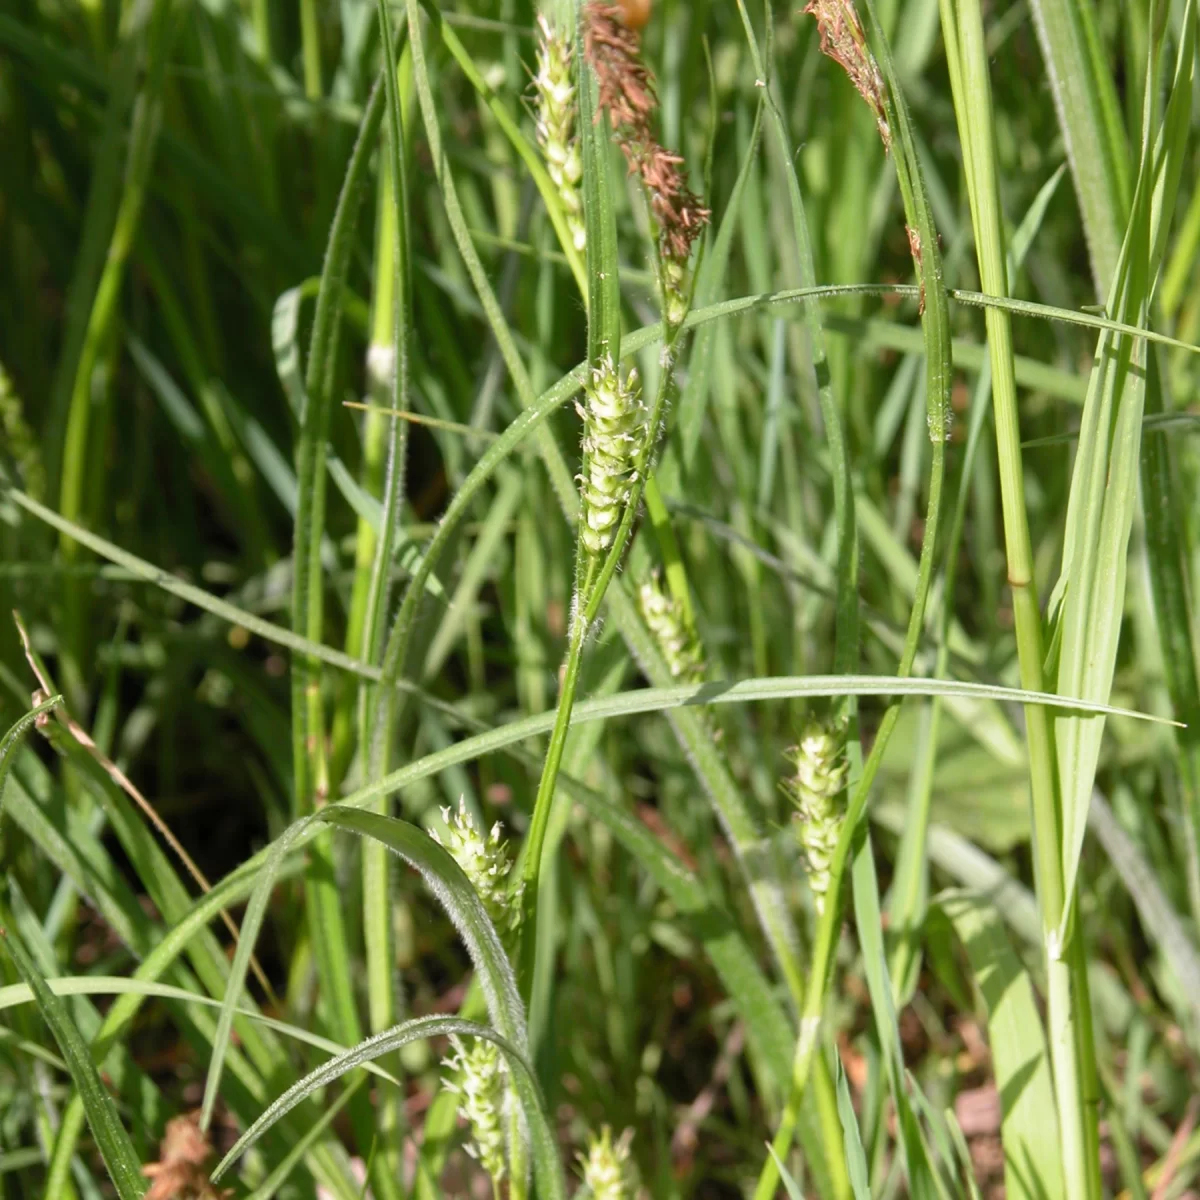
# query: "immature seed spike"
555,123
486,862
607,1166
478,1075
614,424
817,790
664,618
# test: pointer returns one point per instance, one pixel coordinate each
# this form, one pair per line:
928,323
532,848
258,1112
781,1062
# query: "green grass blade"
117,985
310,781
454,892
271,1186
868,921
145,41
1033,1166
696,392
856,1159
1088,114
1168,559
113,1141
1159,919
528,153
16,734
1104,483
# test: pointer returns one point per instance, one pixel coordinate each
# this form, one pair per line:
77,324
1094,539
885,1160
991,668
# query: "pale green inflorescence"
664,618
555,123
486,862
817,789
478,1075
613,426
607,1173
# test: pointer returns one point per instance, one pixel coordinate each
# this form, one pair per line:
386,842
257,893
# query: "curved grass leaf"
270,1187
15,735
444,877
463,906
547,1168
118,985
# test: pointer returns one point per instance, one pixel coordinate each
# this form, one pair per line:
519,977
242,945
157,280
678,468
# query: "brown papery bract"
613,50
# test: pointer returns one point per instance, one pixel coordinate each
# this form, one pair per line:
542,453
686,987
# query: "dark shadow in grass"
1018,1081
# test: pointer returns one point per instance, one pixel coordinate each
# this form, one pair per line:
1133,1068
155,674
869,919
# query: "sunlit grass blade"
1087,602
1033,1164
909,893
116,985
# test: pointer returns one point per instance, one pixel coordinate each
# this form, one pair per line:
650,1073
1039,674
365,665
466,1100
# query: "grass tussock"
604,600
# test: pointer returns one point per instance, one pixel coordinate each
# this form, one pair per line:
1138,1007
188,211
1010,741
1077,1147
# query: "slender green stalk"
145,40
892,111
596,576
323,900
1071,1053
310,44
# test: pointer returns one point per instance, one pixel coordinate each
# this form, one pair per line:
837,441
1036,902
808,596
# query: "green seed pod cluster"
555,115
613,427
477,1074
486,862
817,790
664,618
607,1167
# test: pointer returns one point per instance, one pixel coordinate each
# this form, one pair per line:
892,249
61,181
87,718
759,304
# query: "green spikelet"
477,1074
486,862
613,420
817,790
607,1167
664,618
555,123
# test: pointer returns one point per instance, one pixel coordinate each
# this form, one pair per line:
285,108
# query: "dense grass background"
204,265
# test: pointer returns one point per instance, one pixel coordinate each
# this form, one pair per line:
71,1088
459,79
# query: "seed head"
478,1075
665,620
626,89
555,123
613,427
816,789
843,40
607,1166
486,862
